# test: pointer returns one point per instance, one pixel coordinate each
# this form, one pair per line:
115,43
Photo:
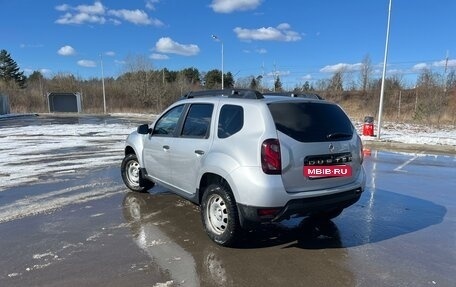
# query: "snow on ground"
414,134
29,153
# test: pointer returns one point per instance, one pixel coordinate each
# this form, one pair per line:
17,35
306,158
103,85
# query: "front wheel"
131,174
219,215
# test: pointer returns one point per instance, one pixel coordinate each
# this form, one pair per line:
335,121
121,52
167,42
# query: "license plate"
316,171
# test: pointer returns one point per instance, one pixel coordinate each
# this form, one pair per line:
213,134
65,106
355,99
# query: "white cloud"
66,51
63,7
261,51
443,63
278,73
45,71
284,26
168,46
156,56
81,14
307,77
96,8
80,18
341,67
87,63
419,66
137,17
110,53
281,33
150,4
228,6
394,71
99,14
31,46
119,62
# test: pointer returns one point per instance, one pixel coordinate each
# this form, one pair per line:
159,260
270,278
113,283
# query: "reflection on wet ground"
169,230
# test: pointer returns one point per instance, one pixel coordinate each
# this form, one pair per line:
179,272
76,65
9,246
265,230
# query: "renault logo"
331,147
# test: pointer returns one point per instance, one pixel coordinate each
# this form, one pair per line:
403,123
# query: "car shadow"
379,215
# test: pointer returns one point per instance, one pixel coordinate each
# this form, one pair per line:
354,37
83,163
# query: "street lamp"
382,89
219,40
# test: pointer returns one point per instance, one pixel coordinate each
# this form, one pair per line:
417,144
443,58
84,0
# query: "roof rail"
229,93
294,95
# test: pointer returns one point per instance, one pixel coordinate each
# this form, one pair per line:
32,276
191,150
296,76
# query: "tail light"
271,161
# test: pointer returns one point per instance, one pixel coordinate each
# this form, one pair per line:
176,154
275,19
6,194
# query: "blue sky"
300,40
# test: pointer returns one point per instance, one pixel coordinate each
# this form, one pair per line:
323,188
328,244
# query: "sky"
298,40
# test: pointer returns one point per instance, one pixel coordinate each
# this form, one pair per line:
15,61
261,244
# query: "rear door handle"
199,152
166,147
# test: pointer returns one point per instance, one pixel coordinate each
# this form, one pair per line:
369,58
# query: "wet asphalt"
402,232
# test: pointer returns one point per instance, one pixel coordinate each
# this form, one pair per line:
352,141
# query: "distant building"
64,102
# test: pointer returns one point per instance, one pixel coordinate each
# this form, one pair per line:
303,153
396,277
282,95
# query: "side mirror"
143,129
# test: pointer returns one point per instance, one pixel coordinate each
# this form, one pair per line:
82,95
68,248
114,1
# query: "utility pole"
219,40
103,84
445,73
382,90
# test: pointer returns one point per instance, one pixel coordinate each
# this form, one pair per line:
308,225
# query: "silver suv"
248,159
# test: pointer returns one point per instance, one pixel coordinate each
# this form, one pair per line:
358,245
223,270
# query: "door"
158,146
190,148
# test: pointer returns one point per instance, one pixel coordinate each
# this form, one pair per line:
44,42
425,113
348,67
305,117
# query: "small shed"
64,102
4,105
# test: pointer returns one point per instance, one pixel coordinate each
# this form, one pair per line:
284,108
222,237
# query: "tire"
131,174
220,215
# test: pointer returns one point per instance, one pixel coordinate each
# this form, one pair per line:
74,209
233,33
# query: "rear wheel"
131,174
219,215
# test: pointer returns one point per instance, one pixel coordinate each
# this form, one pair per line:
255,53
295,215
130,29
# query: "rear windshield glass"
312,122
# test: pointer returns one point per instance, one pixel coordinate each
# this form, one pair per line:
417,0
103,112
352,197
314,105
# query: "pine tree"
277,85
9,70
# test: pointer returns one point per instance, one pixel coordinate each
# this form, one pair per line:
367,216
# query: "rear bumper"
249,215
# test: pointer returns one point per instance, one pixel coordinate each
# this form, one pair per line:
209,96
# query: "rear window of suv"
311,122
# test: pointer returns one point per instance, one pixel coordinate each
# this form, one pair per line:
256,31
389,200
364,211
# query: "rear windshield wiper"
338,136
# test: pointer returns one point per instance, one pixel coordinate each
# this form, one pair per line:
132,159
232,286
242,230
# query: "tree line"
141,88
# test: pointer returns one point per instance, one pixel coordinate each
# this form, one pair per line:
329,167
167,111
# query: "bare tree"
432,99
365,74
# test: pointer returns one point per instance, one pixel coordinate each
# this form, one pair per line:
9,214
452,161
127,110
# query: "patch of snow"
413,134
165,284
48,254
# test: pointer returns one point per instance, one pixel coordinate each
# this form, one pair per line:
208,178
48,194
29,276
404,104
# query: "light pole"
382,89
102,83
218,40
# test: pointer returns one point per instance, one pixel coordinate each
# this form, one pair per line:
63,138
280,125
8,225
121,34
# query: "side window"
167,124
231,120
198,121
